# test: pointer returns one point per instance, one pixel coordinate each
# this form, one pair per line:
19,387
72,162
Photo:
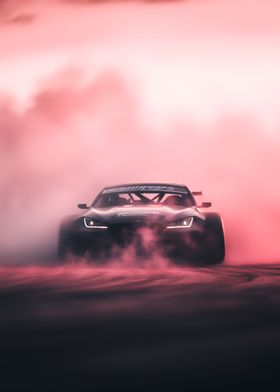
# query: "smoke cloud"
76,138
16,12
147,93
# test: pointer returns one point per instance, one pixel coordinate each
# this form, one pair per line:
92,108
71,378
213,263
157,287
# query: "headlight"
91,223
182,224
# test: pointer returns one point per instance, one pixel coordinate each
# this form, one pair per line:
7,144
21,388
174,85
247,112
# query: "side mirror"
83,206
206,204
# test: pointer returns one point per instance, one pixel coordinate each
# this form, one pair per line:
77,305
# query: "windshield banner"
146,188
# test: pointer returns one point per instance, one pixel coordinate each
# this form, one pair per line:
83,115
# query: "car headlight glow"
182,224
91,223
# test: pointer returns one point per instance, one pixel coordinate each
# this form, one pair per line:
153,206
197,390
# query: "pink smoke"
74,140
157,92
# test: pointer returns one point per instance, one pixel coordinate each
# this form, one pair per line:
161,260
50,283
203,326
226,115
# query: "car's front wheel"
214,241
69,246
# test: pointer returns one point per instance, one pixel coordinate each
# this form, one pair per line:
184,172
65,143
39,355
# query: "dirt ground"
77,327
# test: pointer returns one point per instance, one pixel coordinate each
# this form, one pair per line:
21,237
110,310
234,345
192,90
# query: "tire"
68,246
63,249
214,241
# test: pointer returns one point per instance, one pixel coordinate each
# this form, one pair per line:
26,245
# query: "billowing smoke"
157,92
76,138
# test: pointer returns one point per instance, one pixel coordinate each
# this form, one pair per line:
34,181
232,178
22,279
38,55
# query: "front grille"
126,233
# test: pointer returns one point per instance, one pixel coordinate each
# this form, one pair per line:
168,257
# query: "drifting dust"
84,276
121,285
84,291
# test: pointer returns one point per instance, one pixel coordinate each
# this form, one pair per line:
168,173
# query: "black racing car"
148,217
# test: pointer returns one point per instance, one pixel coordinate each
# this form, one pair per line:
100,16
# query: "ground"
77,327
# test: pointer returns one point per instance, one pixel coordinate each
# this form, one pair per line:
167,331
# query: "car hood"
143,214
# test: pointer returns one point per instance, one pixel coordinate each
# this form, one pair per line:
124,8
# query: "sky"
93,93
200,57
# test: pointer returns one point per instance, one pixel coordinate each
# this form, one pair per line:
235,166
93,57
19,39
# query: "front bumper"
145,238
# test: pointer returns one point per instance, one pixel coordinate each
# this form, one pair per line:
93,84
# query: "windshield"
114,199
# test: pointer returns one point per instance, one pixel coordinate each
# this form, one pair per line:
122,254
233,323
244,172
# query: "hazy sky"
199,57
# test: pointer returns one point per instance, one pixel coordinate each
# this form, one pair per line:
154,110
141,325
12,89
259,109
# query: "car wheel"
68,246
214,242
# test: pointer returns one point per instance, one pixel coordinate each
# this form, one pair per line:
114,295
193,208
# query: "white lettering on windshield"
145,188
